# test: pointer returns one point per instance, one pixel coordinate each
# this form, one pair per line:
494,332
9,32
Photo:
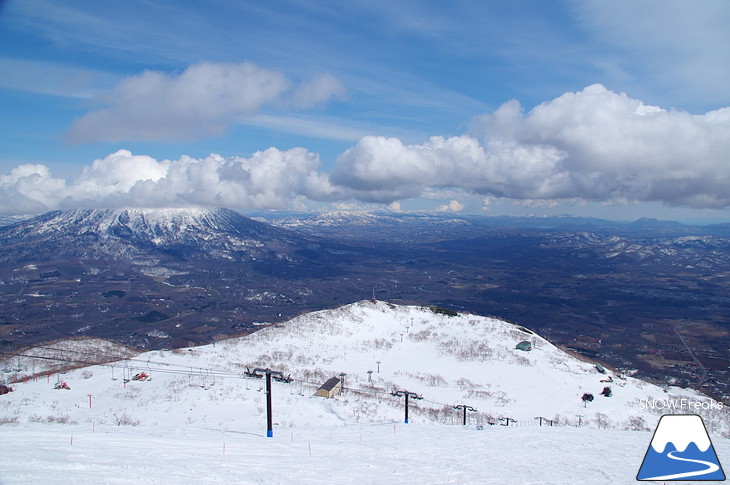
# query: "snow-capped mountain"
336,219
144,223
131,233
199,401
380,225
365,218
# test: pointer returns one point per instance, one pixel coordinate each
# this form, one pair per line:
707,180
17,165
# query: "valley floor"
365,454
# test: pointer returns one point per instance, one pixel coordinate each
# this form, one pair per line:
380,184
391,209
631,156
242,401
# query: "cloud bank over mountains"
592,145
269,179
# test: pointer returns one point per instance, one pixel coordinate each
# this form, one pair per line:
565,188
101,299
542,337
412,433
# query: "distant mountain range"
349,220
359,221
161,278
645,241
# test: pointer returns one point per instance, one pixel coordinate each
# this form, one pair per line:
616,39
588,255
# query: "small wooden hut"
330,388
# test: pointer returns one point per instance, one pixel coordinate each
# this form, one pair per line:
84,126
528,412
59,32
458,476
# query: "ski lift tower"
277,376
407,395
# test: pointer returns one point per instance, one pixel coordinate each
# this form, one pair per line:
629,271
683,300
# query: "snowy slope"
198,404
356,454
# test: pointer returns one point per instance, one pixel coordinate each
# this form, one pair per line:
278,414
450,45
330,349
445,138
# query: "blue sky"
613,109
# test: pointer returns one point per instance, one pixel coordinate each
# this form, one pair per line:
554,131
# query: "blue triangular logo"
681,450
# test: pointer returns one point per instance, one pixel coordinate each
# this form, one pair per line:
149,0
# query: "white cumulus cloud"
595,145
269,179
452,206
613,147
380,169
29,188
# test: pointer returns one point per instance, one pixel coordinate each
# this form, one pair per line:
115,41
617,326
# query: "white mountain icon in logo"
681,450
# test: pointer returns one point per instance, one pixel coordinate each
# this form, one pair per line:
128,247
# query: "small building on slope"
330,388
524,345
